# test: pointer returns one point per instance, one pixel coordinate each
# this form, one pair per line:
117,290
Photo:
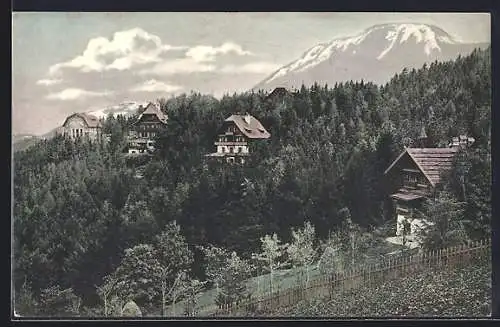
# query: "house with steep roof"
151,122
234,137
81,125
279,92
415,173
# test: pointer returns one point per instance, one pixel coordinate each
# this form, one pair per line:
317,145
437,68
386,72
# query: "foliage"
234,280
25,302
331,260
175,260
458,292
193,292
444,222
78,205
216,264
271,255
137,277
176,290
302,250
55,301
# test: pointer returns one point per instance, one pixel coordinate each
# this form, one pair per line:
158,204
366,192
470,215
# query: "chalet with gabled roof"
151,122
278,92
234,137
415,173
81,125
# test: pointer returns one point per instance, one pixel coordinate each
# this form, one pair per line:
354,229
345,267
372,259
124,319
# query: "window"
237,149
411,179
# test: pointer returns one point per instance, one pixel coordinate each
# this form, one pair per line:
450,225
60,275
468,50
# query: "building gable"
278,92
152,114
431,162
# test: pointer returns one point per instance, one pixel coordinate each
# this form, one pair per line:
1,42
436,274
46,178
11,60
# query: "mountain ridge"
375,54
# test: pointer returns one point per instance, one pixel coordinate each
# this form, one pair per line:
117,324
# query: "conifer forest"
94,229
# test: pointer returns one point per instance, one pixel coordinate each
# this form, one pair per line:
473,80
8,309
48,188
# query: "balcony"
232,143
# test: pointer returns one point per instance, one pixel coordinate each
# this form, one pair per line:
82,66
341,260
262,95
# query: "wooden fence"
325,286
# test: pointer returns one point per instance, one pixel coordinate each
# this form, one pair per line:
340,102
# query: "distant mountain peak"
397,45
125,108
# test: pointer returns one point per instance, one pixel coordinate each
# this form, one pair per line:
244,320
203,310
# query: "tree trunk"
163,291
463,187
352,250
271,280
307,275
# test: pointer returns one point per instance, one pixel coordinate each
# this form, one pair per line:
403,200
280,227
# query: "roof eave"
421,169
395,161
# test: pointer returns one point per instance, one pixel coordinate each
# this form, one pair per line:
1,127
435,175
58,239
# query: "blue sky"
69,62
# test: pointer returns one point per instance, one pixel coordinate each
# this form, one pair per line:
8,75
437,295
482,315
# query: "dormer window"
248,130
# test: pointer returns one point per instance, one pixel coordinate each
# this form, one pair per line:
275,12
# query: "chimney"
247,118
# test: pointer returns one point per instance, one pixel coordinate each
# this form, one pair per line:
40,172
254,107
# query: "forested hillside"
79,206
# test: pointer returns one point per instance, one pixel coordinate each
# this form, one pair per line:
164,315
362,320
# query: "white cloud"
252,67
203,53
156,86
179,66
126,49
48,81
74,93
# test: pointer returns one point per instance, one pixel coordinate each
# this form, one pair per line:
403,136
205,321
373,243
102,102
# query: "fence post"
369,274
440,258
460,256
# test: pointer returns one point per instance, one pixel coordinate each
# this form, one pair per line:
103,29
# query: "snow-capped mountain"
375,54
125,108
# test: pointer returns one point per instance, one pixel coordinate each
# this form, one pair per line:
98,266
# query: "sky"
75,62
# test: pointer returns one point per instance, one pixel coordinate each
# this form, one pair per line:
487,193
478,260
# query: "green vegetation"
84,222
459,292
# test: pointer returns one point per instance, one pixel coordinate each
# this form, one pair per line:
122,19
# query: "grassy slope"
284,279
463,292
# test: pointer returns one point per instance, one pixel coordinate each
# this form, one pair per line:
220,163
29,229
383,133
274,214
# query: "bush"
131,309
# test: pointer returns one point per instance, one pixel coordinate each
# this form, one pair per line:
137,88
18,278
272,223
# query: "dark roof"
91,120
279,91
152,109
249,126
431,161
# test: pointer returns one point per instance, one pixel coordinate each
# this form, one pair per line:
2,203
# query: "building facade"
415,173
81,125
151,122
234,136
